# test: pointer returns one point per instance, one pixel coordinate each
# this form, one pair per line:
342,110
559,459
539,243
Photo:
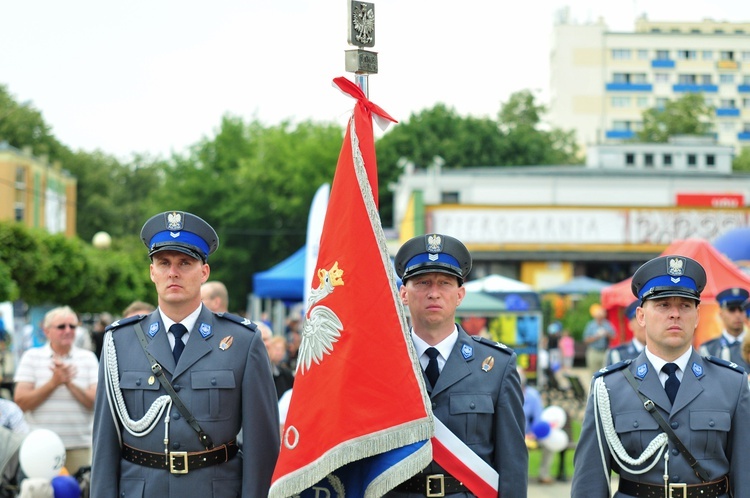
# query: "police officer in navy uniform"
692,441
472,382
728,346
631,349
150,444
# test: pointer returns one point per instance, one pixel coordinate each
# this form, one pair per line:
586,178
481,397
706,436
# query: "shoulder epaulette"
238,319
497,345
724,363
125,321
613,368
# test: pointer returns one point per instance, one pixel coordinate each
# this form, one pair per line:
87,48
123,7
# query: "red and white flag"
359,420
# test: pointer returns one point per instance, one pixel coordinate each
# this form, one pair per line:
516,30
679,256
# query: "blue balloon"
66,487
540,429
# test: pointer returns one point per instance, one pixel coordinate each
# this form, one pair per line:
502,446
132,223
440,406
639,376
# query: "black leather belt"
180,462
675,490
432,485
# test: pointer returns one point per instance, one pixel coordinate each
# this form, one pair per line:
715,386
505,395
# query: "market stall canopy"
514,295
479,302
734,244
578,285
721,273
284,281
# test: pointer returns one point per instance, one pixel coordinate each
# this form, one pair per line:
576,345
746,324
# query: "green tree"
254,184
688,115
742,161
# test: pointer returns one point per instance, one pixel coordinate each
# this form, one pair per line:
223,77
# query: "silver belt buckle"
433,478
681,486
178,455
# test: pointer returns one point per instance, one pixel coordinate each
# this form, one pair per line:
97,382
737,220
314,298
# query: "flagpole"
359,61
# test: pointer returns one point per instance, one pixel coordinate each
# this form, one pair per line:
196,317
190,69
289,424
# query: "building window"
727,126
719,31
746,127
638,78
620,101
687,79
643,54
726,103
629,159
621,78
642,102
662,55
667,160
707,55
746,55
705,79
687,54
746,79
710,160
621,53
661,102
661,77
692,160
746,103
449,198
726,79
648,160
726,55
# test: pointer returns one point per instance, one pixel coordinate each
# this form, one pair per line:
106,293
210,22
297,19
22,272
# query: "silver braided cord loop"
603,412
146,424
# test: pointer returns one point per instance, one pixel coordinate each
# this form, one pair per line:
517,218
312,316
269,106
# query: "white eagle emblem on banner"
322,327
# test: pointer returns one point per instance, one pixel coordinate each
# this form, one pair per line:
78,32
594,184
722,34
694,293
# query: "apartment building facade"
602,81
35,192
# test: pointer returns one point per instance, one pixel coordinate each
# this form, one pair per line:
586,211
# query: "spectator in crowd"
554,330
215,296
567,349
533,406
138,308
97,331
596,335
11,417
56,386
283,378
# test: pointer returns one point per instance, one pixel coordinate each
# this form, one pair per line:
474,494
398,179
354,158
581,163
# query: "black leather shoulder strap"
156,369
651,408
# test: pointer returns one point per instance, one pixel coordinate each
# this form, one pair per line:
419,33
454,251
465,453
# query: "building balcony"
620,134
743,88
629,87
727,64
744,136
662,63
693,88
727,112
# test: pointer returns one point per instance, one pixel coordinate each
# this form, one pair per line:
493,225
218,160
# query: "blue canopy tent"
284,281
578,285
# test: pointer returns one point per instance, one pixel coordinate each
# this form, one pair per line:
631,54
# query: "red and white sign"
711,200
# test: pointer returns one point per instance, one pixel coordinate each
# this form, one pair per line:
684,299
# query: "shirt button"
711,423
675,425
177,388
434,405
472,405
213,382
176,416
138,382
175,446
635,424
675,451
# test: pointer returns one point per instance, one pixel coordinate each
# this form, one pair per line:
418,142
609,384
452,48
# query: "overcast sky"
156,76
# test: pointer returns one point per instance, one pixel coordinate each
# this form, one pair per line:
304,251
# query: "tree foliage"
516,138
742,160
688,115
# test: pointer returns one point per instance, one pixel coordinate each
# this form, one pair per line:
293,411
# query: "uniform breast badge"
488,363
151,380
226,343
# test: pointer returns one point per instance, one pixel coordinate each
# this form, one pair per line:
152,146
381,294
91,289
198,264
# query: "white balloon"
555,417
556,441
42,454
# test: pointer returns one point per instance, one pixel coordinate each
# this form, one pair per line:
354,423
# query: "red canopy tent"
721,274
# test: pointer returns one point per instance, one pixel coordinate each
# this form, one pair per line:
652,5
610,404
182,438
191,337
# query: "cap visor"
178,248
433,269
673,293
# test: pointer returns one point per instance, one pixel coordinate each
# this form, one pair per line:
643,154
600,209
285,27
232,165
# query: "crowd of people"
221,379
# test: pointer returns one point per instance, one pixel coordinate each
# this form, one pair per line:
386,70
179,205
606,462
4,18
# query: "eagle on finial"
322,327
